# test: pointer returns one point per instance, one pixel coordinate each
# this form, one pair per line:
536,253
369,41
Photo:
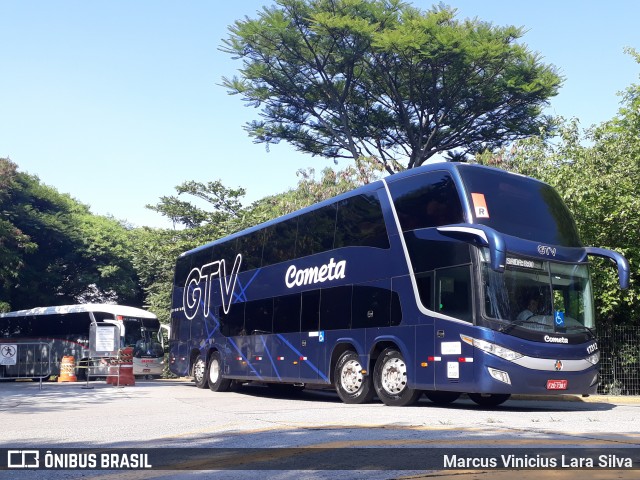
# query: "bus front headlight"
492,348
594,358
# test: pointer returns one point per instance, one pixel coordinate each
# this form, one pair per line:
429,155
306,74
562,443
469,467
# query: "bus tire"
441,397
352,385
217,383
489,399
200,372
391,382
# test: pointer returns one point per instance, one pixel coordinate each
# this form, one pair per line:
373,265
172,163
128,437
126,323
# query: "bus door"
453,298
284,345
311,338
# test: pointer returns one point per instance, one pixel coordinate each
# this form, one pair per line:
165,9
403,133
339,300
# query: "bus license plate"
557,384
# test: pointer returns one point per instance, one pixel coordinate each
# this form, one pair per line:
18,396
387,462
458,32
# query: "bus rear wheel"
390,380
200,372
489,399
351,384
216,381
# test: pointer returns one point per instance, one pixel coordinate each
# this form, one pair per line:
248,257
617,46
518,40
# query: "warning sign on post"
104,340
8,354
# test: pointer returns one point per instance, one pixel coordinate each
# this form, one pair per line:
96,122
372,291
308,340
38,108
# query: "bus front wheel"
489,400
216,382
390,380
351,384
200,372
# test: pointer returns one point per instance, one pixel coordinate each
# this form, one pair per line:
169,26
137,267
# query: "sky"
117,102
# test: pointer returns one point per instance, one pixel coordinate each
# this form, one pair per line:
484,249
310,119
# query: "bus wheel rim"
214,371
351,377
198,370
393,376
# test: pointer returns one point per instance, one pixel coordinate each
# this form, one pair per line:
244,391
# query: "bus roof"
85,307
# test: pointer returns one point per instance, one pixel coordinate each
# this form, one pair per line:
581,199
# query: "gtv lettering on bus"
194,292
309,276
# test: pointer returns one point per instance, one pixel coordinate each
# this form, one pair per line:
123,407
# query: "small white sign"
8,354
105,339
451,348
453,370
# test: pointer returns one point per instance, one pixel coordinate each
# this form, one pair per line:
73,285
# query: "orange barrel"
126,367
67,370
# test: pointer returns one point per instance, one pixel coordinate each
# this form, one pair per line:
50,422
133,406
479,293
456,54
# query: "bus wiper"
515,323
582,328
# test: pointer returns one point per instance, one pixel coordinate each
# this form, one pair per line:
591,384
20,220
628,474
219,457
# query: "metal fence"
619,360
25,360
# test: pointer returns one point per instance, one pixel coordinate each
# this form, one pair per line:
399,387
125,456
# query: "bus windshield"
519,206
538,296
142,335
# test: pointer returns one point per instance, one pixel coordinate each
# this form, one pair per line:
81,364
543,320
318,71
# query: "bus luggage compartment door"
454,364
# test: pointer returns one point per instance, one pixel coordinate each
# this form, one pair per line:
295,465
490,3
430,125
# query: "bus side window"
286,314
226,251
335,308
250,246
360,223
454,292
425,288
316,230
426,200
371,306
232,323
310,314
183,267
280,242
258,317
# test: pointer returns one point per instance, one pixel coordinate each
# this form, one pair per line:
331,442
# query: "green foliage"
54,251
311,190
155,251
13,242
154,255
378,78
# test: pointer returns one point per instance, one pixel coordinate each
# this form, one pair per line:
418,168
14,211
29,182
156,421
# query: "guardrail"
25,360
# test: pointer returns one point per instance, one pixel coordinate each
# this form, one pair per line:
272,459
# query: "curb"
630,400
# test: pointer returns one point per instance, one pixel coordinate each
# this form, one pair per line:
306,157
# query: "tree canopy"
53,250
379,78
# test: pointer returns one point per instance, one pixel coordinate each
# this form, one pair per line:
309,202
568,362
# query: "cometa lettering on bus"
310,276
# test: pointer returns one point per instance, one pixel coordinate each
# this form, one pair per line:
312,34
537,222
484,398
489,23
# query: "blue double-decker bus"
445,279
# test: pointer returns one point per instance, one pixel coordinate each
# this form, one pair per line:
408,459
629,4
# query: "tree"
378,78
13,242
56,250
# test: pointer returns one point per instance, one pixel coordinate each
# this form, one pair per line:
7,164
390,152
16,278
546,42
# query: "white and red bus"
66,329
